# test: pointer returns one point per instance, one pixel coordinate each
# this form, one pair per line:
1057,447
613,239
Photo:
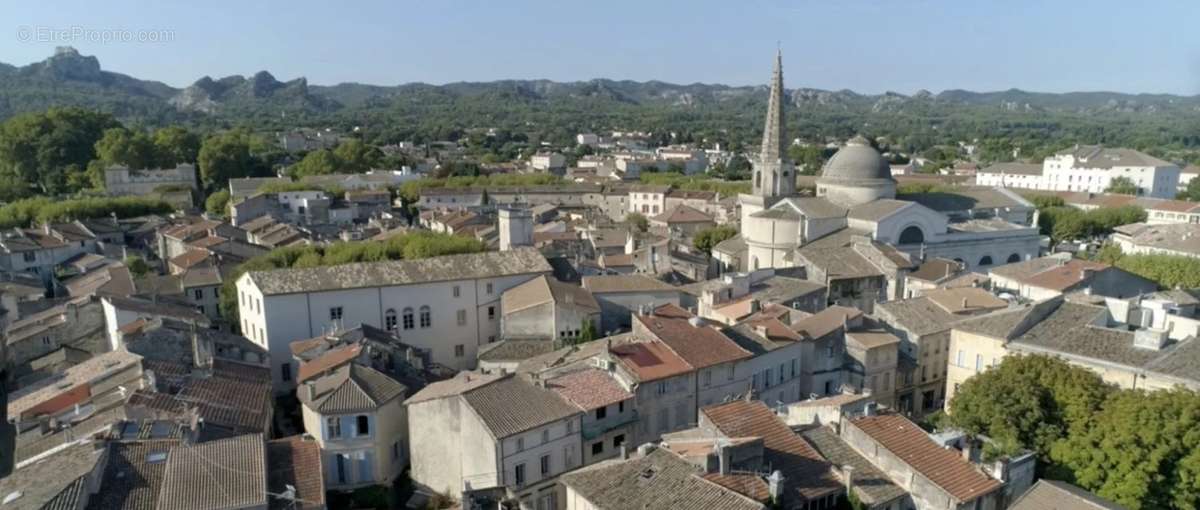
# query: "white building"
591,139
1181,239
1088,168
449,304
648,200
546,161
856,196
120,180
497,435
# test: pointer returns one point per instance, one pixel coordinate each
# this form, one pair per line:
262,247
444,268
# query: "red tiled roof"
589,389
1066,275
700,346
190,258
331,359
651,361
944,467
774,329
683,214
295,461
751,486
783,449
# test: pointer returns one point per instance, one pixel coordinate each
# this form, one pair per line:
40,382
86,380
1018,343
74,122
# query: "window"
45,340
829,350
30,256
285,371
545,465
456,291
978,362
335,313
491,313
960,359
618,440
597,447
754,382
545,436
459,351
408,318
601,412
794,368
729,377
462,318
519,474
363,425
620,407
396,451
198,293
708,377
489,288
333,427
662,387
781,373
389,320
426,319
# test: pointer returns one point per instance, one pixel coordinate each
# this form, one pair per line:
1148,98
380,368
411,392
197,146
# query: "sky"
869,46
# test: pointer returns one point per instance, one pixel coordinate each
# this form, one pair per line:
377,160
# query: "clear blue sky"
865,45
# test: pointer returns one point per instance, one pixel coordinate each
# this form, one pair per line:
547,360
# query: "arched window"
1016,257
426,320
389,320
986,260
912,235
408,318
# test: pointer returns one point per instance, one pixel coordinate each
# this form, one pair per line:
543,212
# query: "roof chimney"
723,460
848,475
775,486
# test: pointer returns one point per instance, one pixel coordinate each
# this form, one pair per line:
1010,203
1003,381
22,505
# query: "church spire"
773,145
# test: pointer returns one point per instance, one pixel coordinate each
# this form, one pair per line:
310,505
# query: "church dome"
857,161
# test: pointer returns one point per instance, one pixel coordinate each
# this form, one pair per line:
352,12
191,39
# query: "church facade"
856,201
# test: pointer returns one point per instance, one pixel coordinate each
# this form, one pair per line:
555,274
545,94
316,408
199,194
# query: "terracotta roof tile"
589,389
944,467
701,346
651,361
801,465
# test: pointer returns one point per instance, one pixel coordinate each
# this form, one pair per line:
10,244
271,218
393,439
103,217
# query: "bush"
24,213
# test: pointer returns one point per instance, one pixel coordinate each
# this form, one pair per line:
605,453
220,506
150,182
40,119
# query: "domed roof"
857,161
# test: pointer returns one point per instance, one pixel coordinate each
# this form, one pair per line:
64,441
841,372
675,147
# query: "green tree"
1192,191
587,332
1142,450
637,221
226,156
38,148
1104,219
1122,185
216,203
137,266
133,149
1168,271
808,158
318,162
355,156
708,238
174,145
1029,401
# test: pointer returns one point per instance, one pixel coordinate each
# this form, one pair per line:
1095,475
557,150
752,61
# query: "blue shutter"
366,471
349,427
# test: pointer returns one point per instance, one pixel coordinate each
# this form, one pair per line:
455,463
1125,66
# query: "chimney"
775,486
723,460
968,450
848,475
312,390
964,303
755,306
624,452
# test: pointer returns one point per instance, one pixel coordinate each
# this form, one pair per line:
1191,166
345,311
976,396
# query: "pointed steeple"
773,146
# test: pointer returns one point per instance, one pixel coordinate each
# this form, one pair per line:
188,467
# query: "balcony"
594,430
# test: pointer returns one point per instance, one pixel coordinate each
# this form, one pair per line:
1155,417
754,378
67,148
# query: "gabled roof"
826,321
326,361
625,283
683,214
513,405
806,471
944,467
871,484
349,389
546,289
1054,495
216,475
588,389
295,461
661,480
877,210
701,346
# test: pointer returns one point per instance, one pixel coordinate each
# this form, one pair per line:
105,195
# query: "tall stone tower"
774,175
516,228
